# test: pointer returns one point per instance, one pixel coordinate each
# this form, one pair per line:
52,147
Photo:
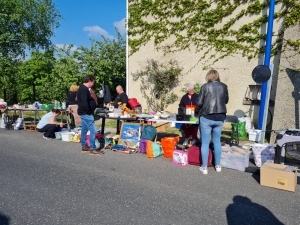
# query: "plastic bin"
58,136
66,136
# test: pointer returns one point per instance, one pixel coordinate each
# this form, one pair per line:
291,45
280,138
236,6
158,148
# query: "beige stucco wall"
235,71
286,112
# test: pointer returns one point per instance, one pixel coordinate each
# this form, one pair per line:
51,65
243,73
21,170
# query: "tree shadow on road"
244,211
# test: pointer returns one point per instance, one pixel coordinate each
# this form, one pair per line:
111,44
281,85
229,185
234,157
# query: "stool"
30,127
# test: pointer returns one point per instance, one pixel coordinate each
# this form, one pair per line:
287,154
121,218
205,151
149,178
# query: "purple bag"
143,146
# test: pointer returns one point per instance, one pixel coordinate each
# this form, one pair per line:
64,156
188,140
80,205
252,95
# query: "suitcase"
194,156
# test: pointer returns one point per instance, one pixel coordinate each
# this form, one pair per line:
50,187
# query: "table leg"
103,125
118,126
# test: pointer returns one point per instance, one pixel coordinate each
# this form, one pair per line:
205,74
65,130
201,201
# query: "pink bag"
97,136
180,158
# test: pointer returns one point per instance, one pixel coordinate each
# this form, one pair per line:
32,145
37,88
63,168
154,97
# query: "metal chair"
232,119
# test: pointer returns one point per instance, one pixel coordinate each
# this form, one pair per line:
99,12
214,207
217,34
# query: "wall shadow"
4,220
244,211
295,80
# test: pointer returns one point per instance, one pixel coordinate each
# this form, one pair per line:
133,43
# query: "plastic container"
255,135
58,136
66,136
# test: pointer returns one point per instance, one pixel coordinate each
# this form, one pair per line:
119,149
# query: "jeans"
87,124
209,127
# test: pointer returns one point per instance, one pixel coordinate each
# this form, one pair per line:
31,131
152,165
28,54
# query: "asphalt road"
52,182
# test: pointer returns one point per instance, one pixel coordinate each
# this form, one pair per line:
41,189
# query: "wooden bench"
30,127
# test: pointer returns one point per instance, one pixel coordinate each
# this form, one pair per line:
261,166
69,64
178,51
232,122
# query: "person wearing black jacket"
212,101
189,98
86,108
190,130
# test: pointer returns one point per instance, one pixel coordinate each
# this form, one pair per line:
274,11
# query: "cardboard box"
161,126
273,175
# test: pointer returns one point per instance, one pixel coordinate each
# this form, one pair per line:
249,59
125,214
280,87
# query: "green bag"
241,126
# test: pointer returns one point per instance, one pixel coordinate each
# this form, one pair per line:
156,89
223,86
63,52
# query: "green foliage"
157,82
106,60
26,23
197,88
36,78
209,25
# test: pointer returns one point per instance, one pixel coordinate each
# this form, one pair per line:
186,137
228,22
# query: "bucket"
58,136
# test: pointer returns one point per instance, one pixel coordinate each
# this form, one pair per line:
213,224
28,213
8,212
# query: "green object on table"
193,119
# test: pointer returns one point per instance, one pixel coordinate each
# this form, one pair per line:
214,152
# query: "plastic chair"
232,119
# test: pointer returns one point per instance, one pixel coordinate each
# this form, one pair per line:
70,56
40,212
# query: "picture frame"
129,134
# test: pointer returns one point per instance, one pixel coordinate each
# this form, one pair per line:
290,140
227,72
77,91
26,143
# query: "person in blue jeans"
211,103
86,108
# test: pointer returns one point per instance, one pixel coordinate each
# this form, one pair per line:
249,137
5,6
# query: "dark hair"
56,111
88,78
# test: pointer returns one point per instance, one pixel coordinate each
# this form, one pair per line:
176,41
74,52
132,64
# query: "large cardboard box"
274,175
161,126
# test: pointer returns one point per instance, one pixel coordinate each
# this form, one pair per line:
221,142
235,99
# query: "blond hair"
212,75
74,88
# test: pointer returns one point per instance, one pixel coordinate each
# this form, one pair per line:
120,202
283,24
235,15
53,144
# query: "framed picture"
129,134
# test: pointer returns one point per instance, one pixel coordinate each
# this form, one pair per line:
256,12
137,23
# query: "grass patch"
109,124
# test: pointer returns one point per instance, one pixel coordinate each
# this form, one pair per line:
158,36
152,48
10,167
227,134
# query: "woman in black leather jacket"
212,102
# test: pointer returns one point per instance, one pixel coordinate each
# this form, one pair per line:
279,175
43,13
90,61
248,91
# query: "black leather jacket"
213,98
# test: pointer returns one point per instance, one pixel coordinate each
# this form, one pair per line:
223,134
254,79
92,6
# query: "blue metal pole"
266,63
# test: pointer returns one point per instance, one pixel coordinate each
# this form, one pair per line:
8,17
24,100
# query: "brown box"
273,175
161,126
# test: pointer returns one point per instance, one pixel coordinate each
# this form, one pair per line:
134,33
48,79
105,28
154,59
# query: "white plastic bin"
66,136
255,135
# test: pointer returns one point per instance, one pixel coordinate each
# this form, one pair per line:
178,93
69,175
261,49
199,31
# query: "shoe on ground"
47,138
85,149
203,169
218,168
96,152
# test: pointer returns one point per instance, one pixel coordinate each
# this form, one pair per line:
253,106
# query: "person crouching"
48,124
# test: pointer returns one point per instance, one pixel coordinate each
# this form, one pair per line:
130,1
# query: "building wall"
235,71
286,112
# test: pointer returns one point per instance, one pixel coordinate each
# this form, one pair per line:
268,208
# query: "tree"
157,83
106,60
36,78
26,23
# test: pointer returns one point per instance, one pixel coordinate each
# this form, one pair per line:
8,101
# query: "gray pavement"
52,182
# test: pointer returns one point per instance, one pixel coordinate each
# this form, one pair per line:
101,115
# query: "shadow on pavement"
4,220
244,211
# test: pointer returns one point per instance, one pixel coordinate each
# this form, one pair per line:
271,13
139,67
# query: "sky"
85,19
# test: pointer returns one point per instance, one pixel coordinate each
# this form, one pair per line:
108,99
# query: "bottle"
192,112
63,105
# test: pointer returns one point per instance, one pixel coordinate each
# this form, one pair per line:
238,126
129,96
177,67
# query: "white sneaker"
218,168
203,169
47,138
